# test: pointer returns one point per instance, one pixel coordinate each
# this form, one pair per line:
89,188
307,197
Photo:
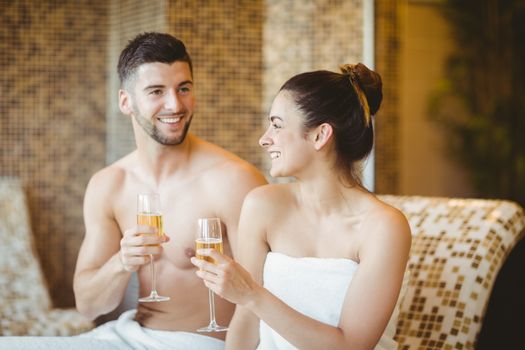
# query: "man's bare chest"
180,212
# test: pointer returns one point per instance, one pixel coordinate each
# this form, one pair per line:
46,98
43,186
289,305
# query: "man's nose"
172,101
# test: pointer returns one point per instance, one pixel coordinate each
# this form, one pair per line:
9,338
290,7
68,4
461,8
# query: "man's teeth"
169,120
275,155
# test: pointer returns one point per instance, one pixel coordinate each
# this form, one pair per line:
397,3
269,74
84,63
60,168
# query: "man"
194,178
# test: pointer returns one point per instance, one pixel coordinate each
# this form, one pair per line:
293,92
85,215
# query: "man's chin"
171,141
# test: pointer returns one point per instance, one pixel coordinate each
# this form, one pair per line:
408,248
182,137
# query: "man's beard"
152,130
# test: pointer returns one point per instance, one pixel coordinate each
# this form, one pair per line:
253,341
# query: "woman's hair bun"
369,82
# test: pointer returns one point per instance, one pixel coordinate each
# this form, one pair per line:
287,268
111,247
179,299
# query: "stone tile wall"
127,18
225,41
302,36
52,117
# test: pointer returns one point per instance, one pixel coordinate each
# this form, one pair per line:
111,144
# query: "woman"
332,255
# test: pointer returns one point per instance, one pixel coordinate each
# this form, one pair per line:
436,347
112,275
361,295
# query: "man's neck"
161,161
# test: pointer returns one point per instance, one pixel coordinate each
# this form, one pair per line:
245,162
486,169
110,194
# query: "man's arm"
106,259
100,278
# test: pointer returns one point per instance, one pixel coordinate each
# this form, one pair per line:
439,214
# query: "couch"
458,248
25,303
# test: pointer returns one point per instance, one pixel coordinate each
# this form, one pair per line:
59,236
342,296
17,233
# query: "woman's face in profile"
285,138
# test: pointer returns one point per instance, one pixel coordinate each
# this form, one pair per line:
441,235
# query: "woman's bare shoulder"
272,192
389,212
386,225
271,198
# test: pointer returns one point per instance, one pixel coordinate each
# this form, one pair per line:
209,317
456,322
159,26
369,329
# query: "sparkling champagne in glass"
149,214
209,236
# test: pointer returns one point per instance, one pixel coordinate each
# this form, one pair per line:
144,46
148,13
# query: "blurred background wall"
53,64
425,44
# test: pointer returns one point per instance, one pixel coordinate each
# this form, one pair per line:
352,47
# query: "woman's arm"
368,305
250,250
369,301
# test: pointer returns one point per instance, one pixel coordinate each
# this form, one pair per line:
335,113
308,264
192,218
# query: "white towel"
315,287
122,334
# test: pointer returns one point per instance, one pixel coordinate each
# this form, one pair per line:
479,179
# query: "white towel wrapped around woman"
315,287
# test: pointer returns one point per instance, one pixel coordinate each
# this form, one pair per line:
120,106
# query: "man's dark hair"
148,48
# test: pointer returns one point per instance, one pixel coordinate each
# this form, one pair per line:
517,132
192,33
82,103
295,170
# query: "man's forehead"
155,70
159,74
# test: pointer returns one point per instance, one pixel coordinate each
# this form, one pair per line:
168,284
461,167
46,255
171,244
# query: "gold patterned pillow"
22,286
458,247
25,305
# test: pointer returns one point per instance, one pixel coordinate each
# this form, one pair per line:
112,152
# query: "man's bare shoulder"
225,166
112,177
103,191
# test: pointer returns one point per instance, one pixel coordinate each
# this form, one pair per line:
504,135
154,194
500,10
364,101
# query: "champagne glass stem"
149,214
209,236
213,323
153,277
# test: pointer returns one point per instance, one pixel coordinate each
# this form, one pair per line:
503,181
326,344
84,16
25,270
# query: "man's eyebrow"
149,87
273,117
160,86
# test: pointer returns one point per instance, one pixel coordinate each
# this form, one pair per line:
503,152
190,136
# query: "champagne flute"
149,214
209,236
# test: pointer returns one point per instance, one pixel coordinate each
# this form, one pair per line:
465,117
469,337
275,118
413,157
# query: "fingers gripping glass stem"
149,214
209,236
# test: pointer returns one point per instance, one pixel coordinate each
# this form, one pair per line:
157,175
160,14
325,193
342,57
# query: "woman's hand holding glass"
226,277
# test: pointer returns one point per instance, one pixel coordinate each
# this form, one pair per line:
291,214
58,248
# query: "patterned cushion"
458,247
54,322
22,287
25,305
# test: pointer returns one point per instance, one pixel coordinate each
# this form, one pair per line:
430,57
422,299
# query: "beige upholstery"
25,304
458,248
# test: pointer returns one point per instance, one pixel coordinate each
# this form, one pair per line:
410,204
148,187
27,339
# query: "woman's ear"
323,134
124,102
